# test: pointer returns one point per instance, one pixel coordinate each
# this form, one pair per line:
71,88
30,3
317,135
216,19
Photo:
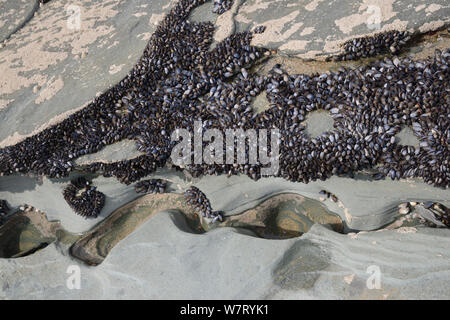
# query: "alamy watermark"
213,153
74,20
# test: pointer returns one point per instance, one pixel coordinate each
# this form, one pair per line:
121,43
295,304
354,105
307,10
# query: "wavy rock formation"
164,259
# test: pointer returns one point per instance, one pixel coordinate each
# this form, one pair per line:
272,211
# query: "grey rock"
122,150
428,215
69,66
14,14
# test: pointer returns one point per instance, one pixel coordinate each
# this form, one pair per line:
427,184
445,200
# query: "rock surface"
163,259
122,150
363,204
300,28
14,14
37,91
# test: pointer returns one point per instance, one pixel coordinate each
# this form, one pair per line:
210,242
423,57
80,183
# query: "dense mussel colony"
201,204
391,41
151,186
443,215
179,80
89,203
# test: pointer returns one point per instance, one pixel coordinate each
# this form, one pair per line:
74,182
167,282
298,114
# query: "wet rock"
4,208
